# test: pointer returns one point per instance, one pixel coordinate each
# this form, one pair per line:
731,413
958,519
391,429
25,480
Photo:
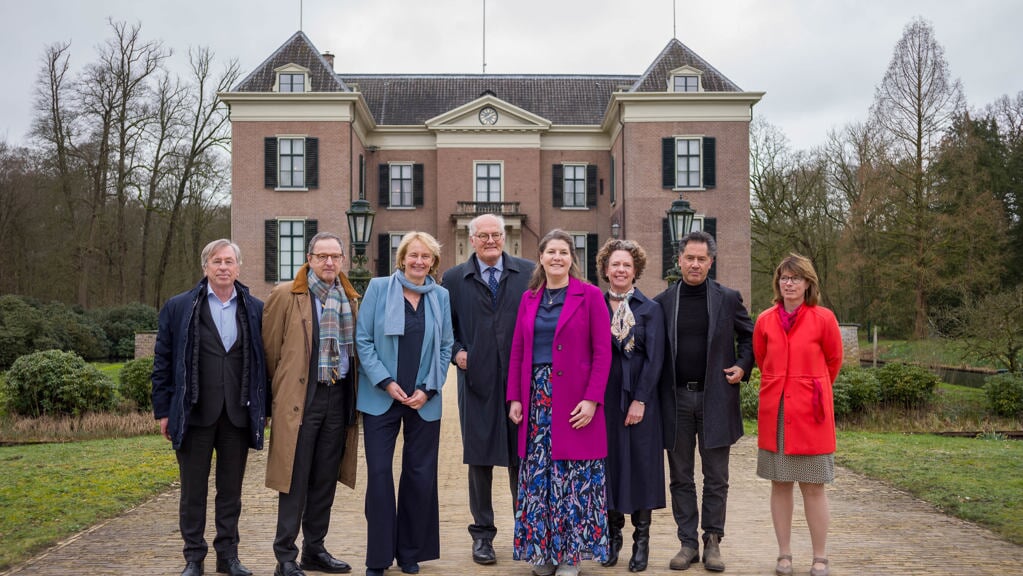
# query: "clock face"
488,116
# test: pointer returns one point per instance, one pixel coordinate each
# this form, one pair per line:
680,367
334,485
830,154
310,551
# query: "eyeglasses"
485,237
790,279
321,258
217,262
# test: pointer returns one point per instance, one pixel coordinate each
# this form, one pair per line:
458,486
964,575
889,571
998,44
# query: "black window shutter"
558,185
668,255
417,184
591,258
362,176
667,162
270,162
384,186
710,226
312,162
710,179
311,229
383,254
614,197
591,186
270,250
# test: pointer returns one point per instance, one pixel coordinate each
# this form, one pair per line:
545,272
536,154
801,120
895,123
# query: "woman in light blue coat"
403,338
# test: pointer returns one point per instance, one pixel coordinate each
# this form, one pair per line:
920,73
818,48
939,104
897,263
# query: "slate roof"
412,99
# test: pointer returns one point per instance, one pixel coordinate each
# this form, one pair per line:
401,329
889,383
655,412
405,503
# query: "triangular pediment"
488,112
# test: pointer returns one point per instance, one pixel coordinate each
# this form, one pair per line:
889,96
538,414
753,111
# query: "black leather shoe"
483,551
192,569
232,566
324,562
288,569
412,568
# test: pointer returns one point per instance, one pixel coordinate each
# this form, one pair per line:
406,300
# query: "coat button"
559,346
559,372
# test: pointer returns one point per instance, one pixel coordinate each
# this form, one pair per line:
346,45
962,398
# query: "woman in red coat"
798,348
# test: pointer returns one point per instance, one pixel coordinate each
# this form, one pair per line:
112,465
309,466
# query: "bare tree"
207,130
913,106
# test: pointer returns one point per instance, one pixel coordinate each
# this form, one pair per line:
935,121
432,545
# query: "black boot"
615,523
641,541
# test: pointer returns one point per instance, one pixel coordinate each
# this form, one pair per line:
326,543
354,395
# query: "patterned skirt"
782,467
562,504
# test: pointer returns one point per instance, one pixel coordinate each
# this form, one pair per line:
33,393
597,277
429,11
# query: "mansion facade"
595,155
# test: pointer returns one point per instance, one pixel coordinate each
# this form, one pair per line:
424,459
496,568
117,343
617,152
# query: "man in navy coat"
485,293
209,394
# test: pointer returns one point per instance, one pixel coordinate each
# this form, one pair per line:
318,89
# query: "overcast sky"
818,60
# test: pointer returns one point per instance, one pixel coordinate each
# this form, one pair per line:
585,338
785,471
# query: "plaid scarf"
336,326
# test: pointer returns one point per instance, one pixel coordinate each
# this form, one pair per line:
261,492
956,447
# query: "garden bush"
136,383
905,385
120,324
856,389
1004,394
20,325
56,383
749,395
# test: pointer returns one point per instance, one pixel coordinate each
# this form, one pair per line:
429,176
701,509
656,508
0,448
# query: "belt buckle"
693,386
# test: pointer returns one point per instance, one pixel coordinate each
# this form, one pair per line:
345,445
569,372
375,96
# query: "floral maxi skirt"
562,504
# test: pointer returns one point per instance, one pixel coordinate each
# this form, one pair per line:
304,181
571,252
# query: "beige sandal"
780,570
820,572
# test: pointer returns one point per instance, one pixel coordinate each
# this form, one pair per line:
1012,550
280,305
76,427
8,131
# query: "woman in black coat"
635,462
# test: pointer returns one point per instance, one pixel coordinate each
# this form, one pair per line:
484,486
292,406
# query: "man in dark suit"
710,345
209,394
485,293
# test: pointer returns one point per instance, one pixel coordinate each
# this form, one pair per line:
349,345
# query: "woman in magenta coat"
560,360
798,347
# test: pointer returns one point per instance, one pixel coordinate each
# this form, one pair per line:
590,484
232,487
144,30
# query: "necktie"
492,283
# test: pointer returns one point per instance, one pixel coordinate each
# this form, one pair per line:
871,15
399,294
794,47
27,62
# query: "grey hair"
474,224
699,237
325,236
214,247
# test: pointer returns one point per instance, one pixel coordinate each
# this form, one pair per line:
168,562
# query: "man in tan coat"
308,334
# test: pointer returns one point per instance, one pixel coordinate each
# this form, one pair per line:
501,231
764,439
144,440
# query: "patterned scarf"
336,326
788,318
622,321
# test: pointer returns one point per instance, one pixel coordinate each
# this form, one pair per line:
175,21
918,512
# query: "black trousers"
195,456
481,505
681,467
314,476
408,531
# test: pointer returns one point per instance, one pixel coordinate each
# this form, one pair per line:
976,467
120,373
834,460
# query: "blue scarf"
394,318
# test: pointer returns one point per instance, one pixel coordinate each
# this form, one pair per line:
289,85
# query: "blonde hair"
429,241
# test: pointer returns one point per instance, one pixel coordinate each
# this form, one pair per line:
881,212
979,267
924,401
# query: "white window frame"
576,175
291,171
402,196
579,251
291,70
290,255
693,179
394,241
692,79
476,179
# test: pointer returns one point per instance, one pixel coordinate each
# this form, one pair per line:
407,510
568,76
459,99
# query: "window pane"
299,146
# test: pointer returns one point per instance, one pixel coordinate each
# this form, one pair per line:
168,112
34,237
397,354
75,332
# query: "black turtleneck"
691,326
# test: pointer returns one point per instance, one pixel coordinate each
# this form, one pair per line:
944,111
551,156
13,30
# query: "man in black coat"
485,293
209,394
710,351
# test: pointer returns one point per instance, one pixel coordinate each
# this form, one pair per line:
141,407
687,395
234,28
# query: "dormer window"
685,79
292,78
686,83
291,83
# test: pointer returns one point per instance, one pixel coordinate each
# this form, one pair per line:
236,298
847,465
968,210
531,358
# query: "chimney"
329,57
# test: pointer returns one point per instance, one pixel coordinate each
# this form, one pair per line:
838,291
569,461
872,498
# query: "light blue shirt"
498,269
342,365
224,316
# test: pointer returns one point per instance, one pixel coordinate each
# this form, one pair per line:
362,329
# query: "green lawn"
51,491
980,480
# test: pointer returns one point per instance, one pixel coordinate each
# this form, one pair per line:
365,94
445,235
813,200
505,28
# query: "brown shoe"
684,558
712,554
